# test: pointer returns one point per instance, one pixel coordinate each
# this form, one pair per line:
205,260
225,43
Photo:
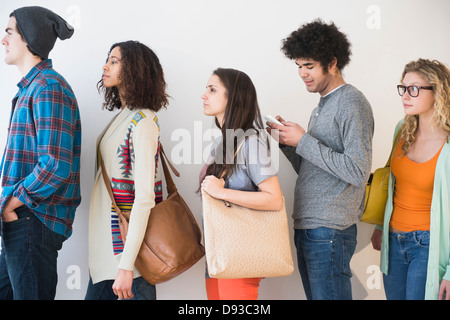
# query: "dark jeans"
28,260
141,289
324,262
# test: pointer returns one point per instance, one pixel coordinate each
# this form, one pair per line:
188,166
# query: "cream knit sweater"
129,148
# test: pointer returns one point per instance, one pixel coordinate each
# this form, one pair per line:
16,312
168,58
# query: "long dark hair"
142,77
242,118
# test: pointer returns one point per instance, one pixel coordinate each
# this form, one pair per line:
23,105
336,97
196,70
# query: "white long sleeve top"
130,150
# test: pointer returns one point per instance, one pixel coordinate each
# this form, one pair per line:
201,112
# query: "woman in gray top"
241,172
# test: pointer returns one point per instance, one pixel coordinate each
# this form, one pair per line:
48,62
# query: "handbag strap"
171,187
397,138
235,155
228,204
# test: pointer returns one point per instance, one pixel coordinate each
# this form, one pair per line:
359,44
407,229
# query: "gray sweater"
333,161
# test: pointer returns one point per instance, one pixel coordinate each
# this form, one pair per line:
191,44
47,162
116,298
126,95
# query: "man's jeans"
408,262
28,259
324,256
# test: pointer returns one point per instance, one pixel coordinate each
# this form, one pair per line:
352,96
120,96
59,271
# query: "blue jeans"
28,259
141,289
408,260
324,256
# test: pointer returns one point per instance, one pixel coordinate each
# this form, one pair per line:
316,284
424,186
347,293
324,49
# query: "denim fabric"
408,260
324,262
141,289
28,260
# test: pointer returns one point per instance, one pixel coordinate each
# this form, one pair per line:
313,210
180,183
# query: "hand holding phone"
269,118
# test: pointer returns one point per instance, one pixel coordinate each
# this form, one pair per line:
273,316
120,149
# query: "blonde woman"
415,238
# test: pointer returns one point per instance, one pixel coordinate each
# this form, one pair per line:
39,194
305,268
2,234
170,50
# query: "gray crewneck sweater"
333,161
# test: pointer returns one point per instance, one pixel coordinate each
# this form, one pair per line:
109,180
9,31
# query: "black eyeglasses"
413,91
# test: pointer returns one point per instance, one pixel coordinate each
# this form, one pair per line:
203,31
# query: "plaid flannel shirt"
41,162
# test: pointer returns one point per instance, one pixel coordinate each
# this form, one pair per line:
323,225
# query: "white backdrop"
194,37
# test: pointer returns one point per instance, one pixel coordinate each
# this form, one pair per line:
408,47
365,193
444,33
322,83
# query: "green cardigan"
439,254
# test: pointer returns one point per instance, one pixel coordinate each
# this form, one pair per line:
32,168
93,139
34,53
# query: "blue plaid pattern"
41,162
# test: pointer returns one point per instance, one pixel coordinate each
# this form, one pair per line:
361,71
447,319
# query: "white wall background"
194,37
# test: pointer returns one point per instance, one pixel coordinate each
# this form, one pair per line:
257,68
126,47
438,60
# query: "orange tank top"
413,191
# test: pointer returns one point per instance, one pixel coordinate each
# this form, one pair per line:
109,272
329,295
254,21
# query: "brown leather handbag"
172,241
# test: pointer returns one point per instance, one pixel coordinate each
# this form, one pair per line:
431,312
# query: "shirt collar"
44,64
335,89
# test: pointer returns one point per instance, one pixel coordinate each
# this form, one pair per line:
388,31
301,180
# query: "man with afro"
332,159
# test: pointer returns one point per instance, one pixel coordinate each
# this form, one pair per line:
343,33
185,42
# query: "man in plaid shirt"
41,162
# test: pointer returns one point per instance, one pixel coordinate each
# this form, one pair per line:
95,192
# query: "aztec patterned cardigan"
130,150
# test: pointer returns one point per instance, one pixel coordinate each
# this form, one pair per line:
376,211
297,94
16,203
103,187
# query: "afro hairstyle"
318,41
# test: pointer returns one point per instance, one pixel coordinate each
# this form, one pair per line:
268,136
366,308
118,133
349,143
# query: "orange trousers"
232,289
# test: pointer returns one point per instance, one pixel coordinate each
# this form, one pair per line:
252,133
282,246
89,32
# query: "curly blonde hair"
438,76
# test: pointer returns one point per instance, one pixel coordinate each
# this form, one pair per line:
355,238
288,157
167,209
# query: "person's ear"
332,65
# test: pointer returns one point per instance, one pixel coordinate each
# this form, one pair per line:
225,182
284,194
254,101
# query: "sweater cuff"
306,140
447,274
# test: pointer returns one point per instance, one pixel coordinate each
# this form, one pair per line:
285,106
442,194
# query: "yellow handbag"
377,191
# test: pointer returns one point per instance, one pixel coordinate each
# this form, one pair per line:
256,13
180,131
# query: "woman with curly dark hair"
332,159
143,84
133,82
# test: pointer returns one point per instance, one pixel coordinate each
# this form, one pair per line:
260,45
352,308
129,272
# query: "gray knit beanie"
40,27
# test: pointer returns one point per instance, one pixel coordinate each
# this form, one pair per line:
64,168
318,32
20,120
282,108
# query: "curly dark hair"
143,79
318,41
